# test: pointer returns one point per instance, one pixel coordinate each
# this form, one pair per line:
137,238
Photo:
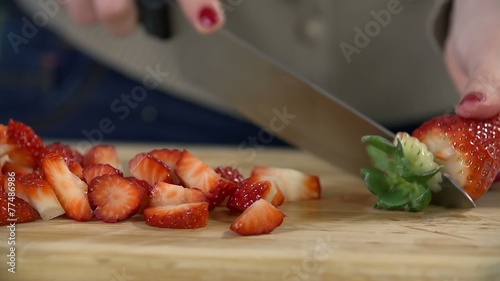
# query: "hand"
472,54
121,16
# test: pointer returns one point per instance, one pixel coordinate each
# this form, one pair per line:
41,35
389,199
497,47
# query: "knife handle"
155,17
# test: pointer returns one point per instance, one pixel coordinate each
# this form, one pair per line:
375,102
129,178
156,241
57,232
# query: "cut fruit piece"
28,146
181,216
145,167
164,194
92,171
17,211
10,183
102,154
196,174
70,190
115,197
16,168
65,150
253,189
260,218
42,197
145,191
294,184
168,157
231,174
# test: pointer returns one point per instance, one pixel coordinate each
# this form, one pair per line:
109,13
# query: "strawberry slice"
42,197
260,218
9,166
4,146
253,189
92,171
194,173
102,154
294,184
10,183
180,216
65,150
15,210
70,190
231,174
115,197
28,146
75,167
468,149
145,191
164,194
168,157
145,167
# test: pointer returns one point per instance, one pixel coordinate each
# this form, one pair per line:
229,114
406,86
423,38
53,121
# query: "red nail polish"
208,17
472,98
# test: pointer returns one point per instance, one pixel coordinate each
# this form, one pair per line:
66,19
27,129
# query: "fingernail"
472,98
208,17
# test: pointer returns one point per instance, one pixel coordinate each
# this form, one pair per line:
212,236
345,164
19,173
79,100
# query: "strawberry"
145,167
168,157
253,189
294,184
102,154
28,146
70,190
95,170
115,197
75,167
42,197
10,182
194,173
181,216
15,210
145,191
4,146
65,150
9,166
468,149
260,218
164,194
230,173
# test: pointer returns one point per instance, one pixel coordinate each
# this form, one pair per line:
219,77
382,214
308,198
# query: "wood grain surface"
340,237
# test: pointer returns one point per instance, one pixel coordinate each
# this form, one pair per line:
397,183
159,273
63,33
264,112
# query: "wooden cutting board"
340,237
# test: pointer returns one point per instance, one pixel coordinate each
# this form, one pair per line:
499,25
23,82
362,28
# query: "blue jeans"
62,93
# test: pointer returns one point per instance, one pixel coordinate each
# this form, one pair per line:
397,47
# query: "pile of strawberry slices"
169,188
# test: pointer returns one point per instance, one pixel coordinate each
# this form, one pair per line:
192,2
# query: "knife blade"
288,106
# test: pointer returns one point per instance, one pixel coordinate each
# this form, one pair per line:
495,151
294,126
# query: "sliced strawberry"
9,166
115,197
70,190
10,182
294,184
75,167
194,173
4,146
102,154
95,170
28,146
168,157
164,194
145,191
180,216
65,150
15,210
253,189
42,197
145,167
231,174
260,218
468,149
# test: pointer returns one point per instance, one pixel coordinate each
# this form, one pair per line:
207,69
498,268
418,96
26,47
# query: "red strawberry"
42,197
28,145
70,190
182,216
4,146
65,150
468,149
168,157
95,170
102,154
253,189
145,191
115,197
75,167
9,166
294,184
260,218
15,210
145,167
230,173
164,194
10,182
194,173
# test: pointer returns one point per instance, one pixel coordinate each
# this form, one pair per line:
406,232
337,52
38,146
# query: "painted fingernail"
208,17
472,98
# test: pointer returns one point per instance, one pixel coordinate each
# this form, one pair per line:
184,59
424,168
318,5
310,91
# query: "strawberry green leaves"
396,181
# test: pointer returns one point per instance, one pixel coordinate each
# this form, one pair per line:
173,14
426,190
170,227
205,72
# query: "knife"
282,103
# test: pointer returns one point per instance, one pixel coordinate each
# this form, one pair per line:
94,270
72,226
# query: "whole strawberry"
468,149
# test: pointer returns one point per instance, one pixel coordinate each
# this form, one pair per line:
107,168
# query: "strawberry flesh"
180,216
260,218
145,167
19,212
253,189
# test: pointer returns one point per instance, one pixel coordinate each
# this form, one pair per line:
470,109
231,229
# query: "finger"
82,11
205,15
119,16
455,70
